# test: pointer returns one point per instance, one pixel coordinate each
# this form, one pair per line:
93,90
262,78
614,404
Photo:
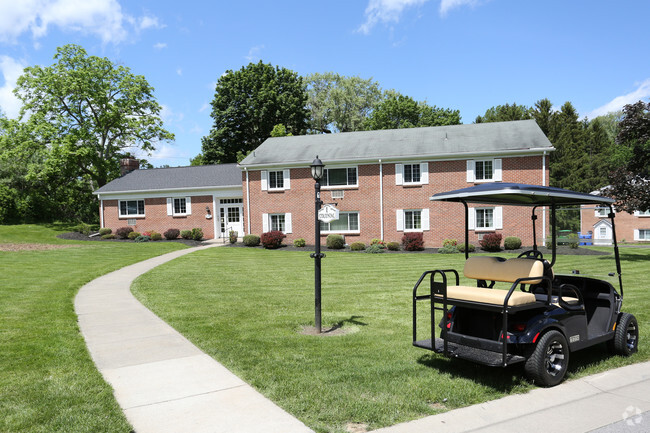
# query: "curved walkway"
162,381
165,384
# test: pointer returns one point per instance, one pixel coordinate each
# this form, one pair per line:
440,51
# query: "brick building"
207,197
381,181
629,227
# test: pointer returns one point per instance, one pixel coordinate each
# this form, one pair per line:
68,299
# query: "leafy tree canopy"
340,104
398,111
94,111
247,105
504,113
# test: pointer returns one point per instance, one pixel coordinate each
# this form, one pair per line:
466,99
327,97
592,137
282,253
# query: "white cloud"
385,11
160,45
170,116
10,70
204,107
179,71
254,53
101,18
168,151
616,104
447,5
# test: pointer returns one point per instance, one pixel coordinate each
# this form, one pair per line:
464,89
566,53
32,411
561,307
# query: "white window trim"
642,214
425,224
286,180
399,173
603,209
119,209
346,232
329,187
170,206
637,235
266,222
497,219
497,170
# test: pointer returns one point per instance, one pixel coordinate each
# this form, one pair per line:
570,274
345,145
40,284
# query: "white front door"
231,219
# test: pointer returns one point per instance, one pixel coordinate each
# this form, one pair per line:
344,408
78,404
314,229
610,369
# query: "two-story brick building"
381,181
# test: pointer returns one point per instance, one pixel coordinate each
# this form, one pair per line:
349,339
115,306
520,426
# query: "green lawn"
246,307
48,382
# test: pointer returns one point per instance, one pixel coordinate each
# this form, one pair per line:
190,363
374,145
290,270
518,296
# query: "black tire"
626,337
549,361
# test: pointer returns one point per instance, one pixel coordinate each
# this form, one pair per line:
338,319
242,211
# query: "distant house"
208,197
381,181
630,227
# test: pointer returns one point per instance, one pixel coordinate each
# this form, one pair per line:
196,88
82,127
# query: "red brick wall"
157,219
446,219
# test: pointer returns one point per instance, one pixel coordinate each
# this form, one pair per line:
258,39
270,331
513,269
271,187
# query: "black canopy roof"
520,194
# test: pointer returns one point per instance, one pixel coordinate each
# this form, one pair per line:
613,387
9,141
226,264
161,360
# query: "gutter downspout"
248,203
215,216
101,213
381,199
544,208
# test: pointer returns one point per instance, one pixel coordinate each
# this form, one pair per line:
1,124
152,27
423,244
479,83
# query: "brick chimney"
127,165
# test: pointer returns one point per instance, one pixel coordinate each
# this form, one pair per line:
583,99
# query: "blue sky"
462,54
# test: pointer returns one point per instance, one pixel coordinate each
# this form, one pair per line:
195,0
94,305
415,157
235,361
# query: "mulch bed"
74,236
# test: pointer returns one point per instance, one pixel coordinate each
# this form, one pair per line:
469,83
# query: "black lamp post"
317,173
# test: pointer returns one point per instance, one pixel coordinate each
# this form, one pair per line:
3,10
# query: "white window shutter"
425,219
497,176
471,218
287,223
287,178
400,220
399,174
637,235
188,205
424,173
170,206
498,217
265,180
470,170
265,222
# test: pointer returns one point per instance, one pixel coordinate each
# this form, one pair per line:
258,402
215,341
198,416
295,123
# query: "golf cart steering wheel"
531,254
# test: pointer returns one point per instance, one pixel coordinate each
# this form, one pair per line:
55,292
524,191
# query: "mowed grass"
48,382
247,307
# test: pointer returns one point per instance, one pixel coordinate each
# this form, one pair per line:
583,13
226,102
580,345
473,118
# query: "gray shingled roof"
395,144
175,178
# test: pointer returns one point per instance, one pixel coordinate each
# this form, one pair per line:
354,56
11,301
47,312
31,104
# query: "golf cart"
537,317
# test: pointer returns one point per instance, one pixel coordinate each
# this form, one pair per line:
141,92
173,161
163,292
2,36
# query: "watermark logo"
632,416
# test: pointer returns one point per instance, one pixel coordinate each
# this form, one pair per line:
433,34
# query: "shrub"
186,234
412,242
300,243
449,243
83,228
512,243
133,235
273,239
574,241
155,236
251,240
448,249
491,242
549,243
123,232
375,249
197,234
232,236
358,246
471,248
108,236
393,246
335,242
105,231
379,242
142,238
171,234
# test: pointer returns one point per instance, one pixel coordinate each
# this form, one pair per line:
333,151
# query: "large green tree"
630,182
247,104
338,103
398,111
504,113
96,112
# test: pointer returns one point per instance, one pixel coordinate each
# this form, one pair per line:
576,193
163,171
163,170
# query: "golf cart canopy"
520,194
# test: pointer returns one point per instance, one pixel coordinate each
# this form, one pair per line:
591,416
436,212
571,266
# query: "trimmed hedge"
273,239
375,249
299,243
357,246
186,234
105,231
133,235
108,236
251,240
471,248
491,242
335,242
197,234
393,246
413,242
512,243
172,234
123,232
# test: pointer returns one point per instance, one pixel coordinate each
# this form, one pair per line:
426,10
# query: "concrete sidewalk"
165,384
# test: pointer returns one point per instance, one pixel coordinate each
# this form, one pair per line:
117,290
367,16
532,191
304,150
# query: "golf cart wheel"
548,363
626,337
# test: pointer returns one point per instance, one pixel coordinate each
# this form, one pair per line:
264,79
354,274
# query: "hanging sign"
328,213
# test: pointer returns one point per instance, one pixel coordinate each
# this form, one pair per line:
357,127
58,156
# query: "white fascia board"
218,192
407,158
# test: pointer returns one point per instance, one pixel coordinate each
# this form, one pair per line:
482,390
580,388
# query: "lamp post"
317,173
